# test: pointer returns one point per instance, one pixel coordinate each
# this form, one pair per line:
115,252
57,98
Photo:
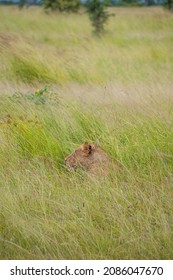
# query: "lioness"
90,157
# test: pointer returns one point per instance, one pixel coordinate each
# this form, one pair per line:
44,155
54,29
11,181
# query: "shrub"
98,15
169,4
62,5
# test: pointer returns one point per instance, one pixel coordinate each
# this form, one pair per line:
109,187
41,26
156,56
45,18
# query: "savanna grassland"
59,86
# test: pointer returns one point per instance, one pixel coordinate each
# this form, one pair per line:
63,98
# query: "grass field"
59,86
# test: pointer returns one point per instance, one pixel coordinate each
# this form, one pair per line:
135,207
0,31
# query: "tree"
169,4
97,14
62,5
51,4
21,4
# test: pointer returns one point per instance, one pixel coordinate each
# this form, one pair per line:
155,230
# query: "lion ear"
86,148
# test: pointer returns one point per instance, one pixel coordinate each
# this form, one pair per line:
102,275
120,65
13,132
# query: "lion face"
87,156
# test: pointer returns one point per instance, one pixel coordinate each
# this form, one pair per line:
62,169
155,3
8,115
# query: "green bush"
62,5
97,14
169,4
51,4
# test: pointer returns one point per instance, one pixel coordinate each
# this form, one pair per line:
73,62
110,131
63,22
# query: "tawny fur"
89,157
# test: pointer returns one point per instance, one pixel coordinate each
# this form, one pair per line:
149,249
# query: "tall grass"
56,48
115,90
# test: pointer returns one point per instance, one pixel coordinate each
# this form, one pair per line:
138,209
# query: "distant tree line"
65,4
62,5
